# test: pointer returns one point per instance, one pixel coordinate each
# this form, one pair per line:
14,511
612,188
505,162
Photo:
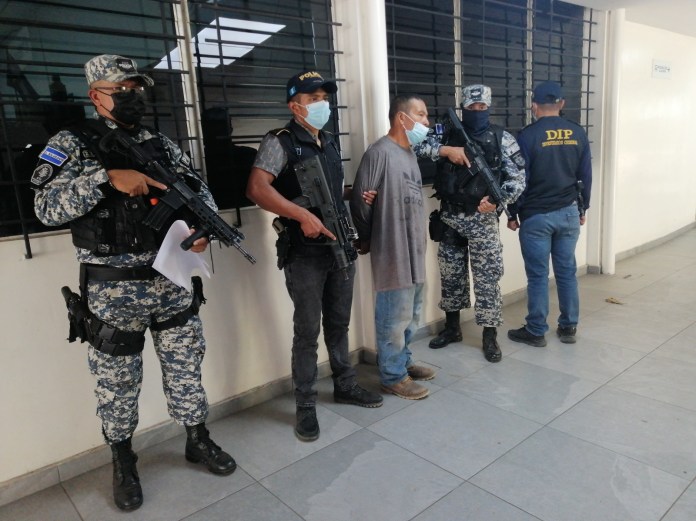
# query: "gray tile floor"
601,430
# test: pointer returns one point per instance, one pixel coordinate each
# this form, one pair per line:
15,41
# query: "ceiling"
673,15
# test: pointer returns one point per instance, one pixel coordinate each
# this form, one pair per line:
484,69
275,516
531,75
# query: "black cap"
306,82
547,92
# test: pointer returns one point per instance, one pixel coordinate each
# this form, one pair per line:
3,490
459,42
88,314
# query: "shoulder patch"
518,159
53,156
41,174
185,159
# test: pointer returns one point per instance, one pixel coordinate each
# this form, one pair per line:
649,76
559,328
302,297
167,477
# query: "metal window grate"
509,45
274,39
244,53
42,85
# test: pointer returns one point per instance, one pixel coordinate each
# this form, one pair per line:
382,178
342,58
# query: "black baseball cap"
308,81
547,92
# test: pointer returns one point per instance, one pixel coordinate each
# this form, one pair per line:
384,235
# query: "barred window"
43,89
244,53
509,45
230,74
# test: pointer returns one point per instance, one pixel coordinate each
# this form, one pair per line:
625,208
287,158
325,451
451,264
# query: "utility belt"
109,339
458,208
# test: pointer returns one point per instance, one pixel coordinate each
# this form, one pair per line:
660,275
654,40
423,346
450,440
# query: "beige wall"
655,178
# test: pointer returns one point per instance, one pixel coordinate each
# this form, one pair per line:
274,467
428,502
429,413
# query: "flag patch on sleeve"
53,156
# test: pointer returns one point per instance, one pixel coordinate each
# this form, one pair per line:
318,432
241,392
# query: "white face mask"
417,134
318,114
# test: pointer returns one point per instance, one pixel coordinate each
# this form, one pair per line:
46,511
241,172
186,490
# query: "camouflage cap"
476,94
113,68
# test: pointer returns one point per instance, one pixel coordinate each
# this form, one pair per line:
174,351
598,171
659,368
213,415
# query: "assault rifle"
316,194
177,195
478,163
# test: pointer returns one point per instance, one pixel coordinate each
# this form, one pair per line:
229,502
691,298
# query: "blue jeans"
397,313
553,234
322,295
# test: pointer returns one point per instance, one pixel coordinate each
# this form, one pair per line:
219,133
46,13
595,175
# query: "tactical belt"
458,208
116,342
102,273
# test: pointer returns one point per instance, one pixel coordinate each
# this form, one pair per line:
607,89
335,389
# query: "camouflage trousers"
485,254
131,306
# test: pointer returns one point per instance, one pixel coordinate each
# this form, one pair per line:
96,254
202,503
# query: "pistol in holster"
283,243
78,315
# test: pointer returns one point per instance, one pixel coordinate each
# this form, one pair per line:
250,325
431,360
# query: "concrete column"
362,38
610,133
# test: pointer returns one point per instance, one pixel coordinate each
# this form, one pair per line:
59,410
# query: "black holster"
436,228
100,335
283,244
105,337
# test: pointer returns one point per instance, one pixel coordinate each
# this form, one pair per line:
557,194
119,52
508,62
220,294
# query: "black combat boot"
451,333
127,492
307,426
201,449
491,349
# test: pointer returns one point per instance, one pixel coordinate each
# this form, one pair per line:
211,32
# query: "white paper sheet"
176,263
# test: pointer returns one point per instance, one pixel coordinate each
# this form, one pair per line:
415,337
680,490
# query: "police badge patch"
41,174
125,64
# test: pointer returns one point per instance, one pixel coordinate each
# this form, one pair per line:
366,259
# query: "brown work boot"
407,389
419,372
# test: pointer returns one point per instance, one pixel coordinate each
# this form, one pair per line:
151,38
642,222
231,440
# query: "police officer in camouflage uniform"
472,234
103,198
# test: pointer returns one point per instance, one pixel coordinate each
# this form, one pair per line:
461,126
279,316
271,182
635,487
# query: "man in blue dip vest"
321,291
550,212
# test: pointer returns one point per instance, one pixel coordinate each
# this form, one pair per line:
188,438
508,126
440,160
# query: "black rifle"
177,195
478,163
316,194
580,186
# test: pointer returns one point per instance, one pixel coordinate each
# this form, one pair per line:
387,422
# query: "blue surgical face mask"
476,120
318,114
417,134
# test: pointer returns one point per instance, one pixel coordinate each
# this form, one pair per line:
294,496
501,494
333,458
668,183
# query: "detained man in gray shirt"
392,229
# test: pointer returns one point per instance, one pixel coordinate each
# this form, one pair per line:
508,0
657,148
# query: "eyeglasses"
121,89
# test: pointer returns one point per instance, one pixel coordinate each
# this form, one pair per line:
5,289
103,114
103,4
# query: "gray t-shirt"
395,223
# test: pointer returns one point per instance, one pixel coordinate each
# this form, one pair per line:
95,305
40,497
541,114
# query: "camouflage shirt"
429,148
67,186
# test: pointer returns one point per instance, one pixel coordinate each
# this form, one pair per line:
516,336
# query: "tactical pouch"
436,227
452,238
